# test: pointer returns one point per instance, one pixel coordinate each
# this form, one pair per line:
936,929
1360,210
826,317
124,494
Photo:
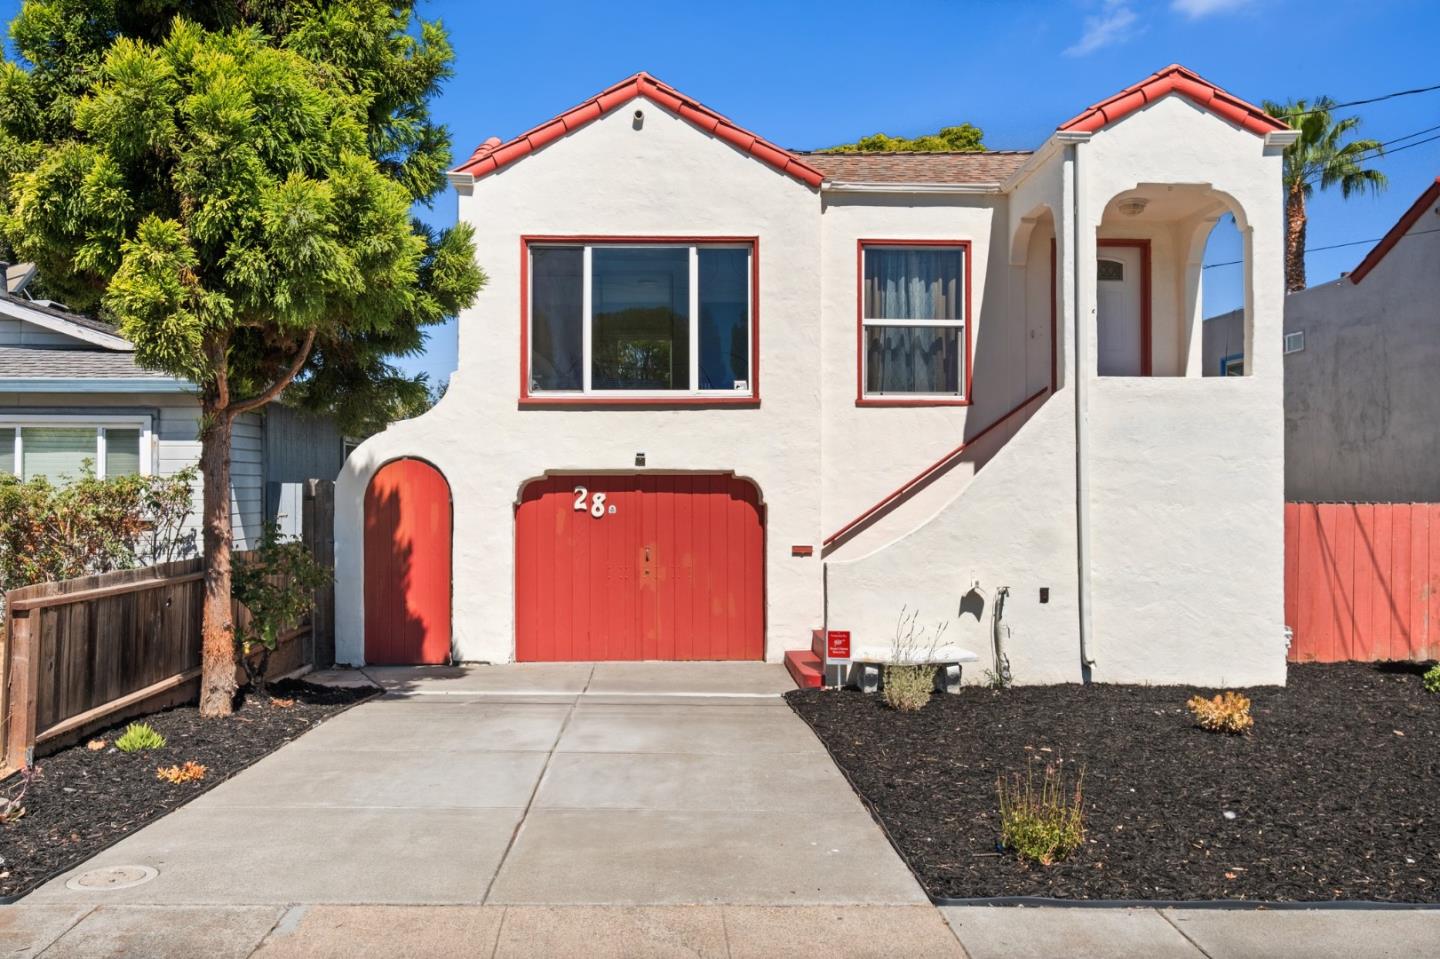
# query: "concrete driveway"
609,784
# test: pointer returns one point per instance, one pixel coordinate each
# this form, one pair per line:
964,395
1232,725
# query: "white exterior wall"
1185,486
665,179
1187,504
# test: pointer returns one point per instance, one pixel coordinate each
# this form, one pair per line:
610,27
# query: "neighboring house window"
628,320
914,341
1294,342
64,448
1232,365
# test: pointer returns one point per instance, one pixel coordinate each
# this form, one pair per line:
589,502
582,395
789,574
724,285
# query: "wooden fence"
1362,581
84,653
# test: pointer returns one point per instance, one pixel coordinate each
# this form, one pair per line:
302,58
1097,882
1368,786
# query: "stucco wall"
1360,401
1187,519
1185,502
666,178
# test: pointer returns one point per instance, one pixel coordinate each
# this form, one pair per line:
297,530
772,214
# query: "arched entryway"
407,565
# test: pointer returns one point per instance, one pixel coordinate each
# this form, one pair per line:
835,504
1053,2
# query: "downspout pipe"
1082,420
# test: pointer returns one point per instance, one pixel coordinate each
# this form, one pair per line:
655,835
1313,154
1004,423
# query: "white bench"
867,661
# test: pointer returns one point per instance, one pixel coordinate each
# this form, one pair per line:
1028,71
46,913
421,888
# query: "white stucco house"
73,398
719,395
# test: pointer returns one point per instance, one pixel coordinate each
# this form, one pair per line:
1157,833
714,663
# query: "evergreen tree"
231,183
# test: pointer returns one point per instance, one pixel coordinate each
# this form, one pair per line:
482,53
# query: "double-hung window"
913,317
635,320
64,448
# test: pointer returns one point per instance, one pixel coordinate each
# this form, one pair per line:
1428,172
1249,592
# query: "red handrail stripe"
930,470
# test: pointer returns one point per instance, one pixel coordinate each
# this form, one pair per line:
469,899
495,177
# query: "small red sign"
837,644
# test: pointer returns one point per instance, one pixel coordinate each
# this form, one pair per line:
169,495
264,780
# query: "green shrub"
276,582
1044,824
908,688
60,530
1431,679
138,736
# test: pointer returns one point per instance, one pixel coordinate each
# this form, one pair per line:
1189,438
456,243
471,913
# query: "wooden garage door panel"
676,572
407,565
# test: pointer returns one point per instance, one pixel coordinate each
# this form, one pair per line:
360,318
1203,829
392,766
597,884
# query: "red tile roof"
1402,227
1175,79
491,156
946,168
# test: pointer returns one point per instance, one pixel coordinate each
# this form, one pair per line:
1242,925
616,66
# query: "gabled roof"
492,154
1402,227
918,168
1188,84
92,331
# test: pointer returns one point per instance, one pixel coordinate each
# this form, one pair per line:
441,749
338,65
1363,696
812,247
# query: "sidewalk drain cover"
113,877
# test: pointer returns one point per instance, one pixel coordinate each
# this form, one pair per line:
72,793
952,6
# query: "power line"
1361,103
1332,246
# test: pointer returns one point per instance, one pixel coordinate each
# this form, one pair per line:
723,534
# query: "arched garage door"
407,565
639,567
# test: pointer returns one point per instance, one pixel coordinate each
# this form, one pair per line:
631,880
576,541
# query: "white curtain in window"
915,284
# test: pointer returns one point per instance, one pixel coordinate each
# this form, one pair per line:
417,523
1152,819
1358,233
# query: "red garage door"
639,567
407,565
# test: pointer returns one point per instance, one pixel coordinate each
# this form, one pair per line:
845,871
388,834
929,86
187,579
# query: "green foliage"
1042,823
1323,156
138,736
52,531
907,688
223,177
1431,679
964,138
276,582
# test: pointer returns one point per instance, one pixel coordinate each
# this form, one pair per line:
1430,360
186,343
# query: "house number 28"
596,507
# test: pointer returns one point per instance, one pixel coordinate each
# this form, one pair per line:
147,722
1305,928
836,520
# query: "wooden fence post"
24,676
318,531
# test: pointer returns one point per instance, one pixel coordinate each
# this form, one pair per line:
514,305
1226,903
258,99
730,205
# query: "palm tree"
1319,158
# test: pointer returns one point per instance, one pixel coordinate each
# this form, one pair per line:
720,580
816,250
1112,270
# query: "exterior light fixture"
1133,206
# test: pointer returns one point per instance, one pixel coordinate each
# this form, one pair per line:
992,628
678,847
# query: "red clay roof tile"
1187,83
488,157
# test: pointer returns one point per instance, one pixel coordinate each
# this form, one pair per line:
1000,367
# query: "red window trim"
570,401
860,398
1143,246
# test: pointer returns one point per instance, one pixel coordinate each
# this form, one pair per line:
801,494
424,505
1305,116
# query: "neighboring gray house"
70,391
1362,359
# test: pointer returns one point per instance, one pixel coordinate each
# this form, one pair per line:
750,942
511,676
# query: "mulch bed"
83,801
1335,793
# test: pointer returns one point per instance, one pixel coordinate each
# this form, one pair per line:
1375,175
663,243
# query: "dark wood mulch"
1335,793
82,801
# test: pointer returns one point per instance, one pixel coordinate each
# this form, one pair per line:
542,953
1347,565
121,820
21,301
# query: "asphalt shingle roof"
947,168
29,362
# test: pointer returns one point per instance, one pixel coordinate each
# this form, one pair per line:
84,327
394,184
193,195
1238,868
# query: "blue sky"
811,74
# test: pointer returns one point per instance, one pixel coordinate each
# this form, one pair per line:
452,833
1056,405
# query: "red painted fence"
1362,581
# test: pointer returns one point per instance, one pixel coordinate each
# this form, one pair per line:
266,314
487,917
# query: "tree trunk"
1295,241
217,656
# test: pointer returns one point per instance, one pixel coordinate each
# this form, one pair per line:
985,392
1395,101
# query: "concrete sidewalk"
613,784
722,932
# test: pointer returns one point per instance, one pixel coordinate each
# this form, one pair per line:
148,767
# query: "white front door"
1117,299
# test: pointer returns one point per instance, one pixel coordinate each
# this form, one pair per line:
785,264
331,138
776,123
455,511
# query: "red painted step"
805,668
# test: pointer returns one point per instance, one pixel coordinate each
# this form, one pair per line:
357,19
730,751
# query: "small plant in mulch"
176,775
1228,712
1045,822
1431,679
909,678
12,805
138,736
277,584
